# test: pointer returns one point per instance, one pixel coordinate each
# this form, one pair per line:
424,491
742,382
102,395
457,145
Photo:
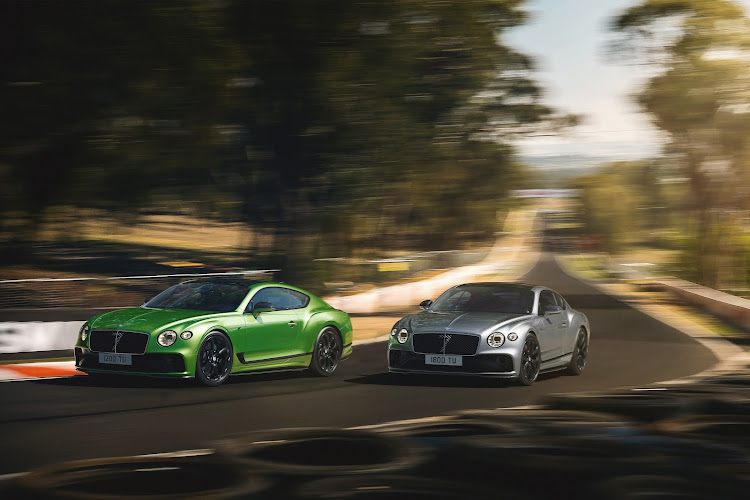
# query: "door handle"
292,324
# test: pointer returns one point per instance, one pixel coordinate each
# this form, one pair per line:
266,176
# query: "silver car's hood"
464,322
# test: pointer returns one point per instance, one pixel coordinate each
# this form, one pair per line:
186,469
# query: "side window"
260,299
560,301
546,299
297,300
281,299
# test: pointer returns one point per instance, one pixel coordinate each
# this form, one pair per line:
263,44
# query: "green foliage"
328,123
700,98
621,202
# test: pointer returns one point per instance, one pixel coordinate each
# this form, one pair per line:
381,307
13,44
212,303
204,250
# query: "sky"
568,40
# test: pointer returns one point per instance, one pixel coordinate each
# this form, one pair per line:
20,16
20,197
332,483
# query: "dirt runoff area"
374,326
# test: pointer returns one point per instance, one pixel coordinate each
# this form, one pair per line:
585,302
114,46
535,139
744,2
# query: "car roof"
227,280
512,284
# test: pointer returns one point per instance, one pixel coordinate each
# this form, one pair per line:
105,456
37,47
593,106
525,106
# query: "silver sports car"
506,330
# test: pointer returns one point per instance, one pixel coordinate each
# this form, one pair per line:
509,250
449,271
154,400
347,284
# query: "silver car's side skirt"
559,363
469,374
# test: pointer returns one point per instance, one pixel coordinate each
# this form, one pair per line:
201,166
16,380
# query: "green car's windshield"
201,296
469,298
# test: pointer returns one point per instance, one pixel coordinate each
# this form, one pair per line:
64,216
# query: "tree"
328,124
700,98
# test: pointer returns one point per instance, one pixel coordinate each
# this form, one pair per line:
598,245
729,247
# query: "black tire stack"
679,441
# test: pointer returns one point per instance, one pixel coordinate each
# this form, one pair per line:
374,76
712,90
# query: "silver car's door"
569,334
554,327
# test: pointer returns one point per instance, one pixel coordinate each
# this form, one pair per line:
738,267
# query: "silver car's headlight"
496,339
512,336
166,338
85,329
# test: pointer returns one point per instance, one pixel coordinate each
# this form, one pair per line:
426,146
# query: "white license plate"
111,358
443,360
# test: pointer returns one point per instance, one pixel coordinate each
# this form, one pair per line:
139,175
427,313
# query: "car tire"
326,352
214,360
580,353
531,361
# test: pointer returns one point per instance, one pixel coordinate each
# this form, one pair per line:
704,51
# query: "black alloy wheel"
580,353
531,361
214,359
327,352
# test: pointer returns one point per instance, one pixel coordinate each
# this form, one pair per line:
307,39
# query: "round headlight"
403,336
512,336
85,331
186,335
166,338
394,332
496,339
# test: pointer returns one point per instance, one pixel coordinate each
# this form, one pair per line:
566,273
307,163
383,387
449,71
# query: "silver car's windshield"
500,299
201,296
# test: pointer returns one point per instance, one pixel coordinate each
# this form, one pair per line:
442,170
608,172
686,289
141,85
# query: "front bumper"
161,364
486,365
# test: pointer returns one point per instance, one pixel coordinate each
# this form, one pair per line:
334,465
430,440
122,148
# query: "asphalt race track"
49,421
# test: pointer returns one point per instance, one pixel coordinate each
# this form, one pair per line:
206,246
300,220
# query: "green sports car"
211,328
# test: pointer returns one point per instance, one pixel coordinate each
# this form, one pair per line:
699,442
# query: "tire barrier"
377,487
323,452
682,440
651,404
651,486
203,477
539,421
739,380
728,429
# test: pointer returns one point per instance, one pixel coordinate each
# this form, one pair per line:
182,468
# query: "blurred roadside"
640,278
515,249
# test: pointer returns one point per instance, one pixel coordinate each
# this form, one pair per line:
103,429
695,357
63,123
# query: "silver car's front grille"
118,341
446,343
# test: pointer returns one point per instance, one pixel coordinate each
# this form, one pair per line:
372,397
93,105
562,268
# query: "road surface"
48,421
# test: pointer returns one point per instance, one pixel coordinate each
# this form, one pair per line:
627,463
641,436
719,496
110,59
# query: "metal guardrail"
92,292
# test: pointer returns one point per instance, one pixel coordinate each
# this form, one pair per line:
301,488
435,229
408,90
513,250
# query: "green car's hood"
141,319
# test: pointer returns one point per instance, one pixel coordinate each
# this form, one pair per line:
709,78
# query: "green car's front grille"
146,363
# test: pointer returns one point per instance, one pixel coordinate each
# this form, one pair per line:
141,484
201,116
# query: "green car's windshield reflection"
201,296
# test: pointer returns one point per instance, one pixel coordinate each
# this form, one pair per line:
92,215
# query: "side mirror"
262,307
425,304
553,310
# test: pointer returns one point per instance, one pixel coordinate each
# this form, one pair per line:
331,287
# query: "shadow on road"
141,382
420,380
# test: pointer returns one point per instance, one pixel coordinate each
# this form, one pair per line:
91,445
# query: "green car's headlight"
496,339
85,329
186,335
402,336
166,338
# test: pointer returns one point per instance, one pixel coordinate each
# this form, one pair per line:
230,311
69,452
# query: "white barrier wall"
33,336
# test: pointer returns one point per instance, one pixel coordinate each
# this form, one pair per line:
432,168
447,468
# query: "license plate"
111,358
443,360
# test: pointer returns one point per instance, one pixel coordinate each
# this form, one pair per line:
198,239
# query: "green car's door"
273,325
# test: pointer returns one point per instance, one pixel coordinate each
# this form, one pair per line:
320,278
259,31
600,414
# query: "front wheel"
580,353
214,359
326,353
531,361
